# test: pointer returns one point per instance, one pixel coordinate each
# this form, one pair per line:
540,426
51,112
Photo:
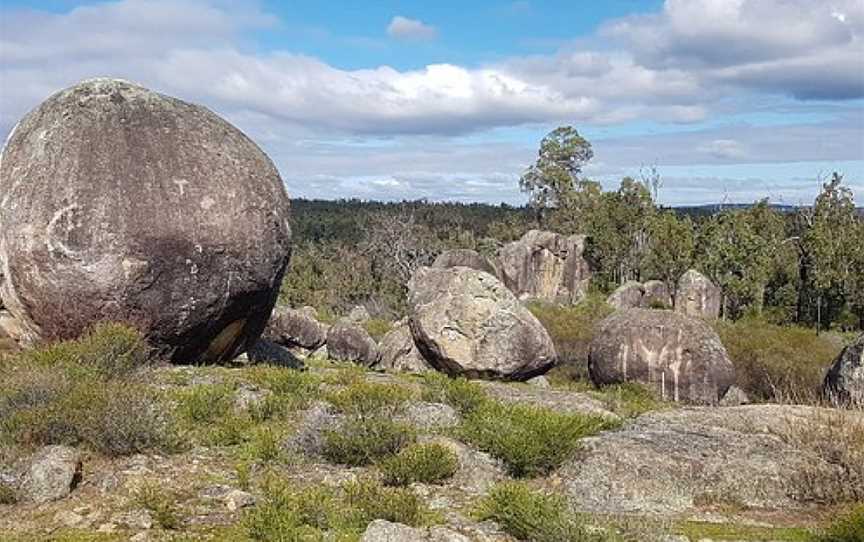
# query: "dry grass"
836,438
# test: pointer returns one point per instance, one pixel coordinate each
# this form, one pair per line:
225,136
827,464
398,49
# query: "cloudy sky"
731,99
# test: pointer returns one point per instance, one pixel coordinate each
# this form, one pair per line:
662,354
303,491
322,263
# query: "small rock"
386,531
735,396
349,342
54,472
357,315
237,499
106,528
539,382
140,537
309,437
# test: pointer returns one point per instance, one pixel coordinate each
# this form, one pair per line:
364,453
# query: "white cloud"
410,29
383,132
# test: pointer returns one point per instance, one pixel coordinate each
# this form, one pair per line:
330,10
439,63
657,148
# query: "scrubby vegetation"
528,514
369,433
847,528
290,513
83,392
531,441
425,463
773,362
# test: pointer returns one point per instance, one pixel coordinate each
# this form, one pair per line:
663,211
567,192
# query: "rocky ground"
663,473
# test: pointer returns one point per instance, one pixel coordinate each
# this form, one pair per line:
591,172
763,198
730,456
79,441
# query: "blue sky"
731,99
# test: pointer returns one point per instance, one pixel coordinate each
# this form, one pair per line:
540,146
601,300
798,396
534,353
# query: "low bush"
629,399
7,494
572,328
363,398
837,438
527,514
371,501
362,441
264,445
848,528
531,440
777,363
368,432
425,463
80,392
205,403
461,394
318,513
161,504
290,388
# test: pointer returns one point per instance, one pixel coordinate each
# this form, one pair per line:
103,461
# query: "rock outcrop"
347,342
697,296
545,265
466,322
266,351
633,295
671,462
293,327
123,204
844,381
681,357
399,353
463,257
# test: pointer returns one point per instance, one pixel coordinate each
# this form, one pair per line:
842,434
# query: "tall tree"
670,248
562,155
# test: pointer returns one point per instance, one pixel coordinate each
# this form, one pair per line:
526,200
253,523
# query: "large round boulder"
463,257
466,322
627,296
295,327
844,381
546,265
348,342
681,357
697,296
123,204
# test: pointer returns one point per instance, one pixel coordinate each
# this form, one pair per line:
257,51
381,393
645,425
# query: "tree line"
804,265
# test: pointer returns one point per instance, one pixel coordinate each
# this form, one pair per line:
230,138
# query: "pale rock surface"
545,265
682,358
466,322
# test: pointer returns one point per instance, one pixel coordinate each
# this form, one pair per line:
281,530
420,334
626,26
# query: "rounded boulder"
123,204
681,357
466,322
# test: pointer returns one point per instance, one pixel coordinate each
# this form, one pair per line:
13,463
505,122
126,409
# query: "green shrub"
572,329
425,463
461,394
363,399
772,362
290,388
68,404
286,513
368,432
530,515
205,403
372,501
112,349
530,440
848,528
361,441
161,504
377,327
264,445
